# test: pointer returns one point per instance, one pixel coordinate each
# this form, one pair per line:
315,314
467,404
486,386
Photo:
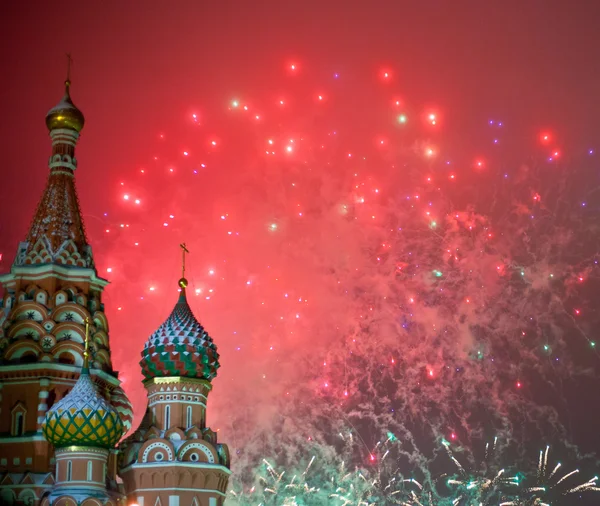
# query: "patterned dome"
180,346
83,418
121,403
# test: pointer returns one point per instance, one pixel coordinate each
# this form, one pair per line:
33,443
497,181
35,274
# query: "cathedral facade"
64,418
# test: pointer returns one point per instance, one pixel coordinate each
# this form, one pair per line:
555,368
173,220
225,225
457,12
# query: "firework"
361,272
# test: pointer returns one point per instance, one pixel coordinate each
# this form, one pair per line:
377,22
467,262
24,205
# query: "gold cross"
69,61
184,250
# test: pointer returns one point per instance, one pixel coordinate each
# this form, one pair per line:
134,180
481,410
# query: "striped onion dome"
180,346
121,403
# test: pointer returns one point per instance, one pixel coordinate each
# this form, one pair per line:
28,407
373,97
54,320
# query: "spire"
57,234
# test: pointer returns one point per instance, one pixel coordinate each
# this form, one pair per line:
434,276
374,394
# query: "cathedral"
65,422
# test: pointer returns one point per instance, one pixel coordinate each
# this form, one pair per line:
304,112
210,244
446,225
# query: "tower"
173,459
50,292
83,427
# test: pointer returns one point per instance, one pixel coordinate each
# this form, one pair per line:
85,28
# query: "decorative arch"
223,453
30,311
199,480
185,479
175,434
68,353
20,349
60,298
209,435
131,454
70,290
64,500
171,479
153,432
70,311
193,433
41,297
31,289
27,497
68,330
145,480
25,326
100,321
94,502
81,299
212,481
102,357
8,301
197,451
100,337
151,451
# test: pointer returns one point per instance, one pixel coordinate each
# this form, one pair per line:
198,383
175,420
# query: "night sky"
390,208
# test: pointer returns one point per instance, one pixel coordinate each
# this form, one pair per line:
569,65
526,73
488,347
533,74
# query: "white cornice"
183,489
22,439
28,485
39,271
41,366
192,465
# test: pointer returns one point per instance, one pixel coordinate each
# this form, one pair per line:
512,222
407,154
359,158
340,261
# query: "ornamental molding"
190,465
42,271
153,446
45,369
197,446
68,451
23,439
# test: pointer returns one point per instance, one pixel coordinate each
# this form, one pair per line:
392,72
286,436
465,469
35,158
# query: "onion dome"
121,403
83,418
180,346
65,114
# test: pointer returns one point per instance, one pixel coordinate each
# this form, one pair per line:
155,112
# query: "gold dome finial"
65,114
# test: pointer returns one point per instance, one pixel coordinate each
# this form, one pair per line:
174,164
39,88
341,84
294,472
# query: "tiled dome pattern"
121,403
83,418
180,347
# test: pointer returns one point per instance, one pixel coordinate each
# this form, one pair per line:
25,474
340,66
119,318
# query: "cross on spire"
69,61
184,250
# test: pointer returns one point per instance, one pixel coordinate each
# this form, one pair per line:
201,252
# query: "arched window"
69,470
153,416
167,417
18,420
89,470
189,417
51,399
